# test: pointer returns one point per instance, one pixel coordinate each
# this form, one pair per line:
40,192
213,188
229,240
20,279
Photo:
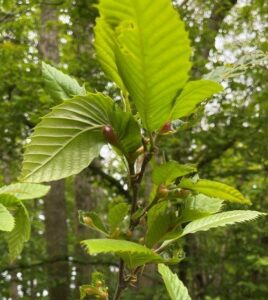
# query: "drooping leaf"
215,189
168,172
144,30
133,254
193,94
221,219
175,287
59,85
24,191
199,206
70,137
105,51
6,219
20,234
93,221
116,215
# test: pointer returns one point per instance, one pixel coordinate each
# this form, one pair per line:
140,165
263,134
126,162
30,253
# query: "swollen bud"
166,129
110,135
182,193
162,191
87,220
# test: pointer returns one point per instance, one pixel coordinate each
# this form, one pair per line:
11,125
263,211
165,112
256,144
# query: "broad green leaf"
20,234
168,172
199,206
192,94
71,136
116,215
59,85
220,219
23,191
93,221
133,254
175,287
152,54
6,219
215,189
105,51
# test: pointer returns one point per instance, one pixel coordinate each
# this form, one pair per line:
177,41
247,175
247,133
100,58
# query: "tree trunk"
56,232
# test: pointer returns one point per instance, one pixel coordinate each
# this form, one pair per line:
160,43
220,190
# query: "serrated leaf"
70,137
143,30
6,219
20,234
215,189
221,219
25,191
105,51
193,94
116,215
133,254
168,172
199,206
92,220
59,85
175,287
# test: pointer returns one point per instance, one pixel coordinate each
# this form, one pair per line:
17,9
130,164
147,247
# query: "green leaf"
71,136
133,254
20,234
215,189
93,221
152,54
168,172
105,51
9,200
161,224
199,206
23,191
6,219
220,219
192,94
116,215
59,85
175,287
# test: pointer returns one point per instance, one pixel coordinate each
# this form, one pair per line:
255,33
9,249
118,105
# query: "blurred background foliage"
227,138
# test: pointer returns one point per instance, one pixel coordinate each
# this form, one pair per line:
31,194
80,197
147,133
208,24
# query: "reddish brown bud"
110,135
182,193
162,191
167,128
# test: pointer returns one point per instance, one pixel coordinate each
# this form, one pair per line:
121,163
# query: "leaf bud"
166,128
182,193
162,191
110,135
87,220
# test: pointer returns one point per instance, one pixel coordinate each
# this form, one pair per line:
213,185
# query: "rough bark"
55,204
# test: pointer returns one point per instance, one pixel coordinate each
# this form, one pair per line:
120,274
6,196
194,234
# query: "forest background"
227,139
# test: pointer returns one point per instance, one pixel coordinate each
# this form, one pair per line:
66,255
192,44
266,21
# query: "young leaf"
116,215
6,219
215,189
175,287
133,254
192,94
199,206
93,221
221,219
71,136
20,234
144,30
59,85
168,172
25,191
